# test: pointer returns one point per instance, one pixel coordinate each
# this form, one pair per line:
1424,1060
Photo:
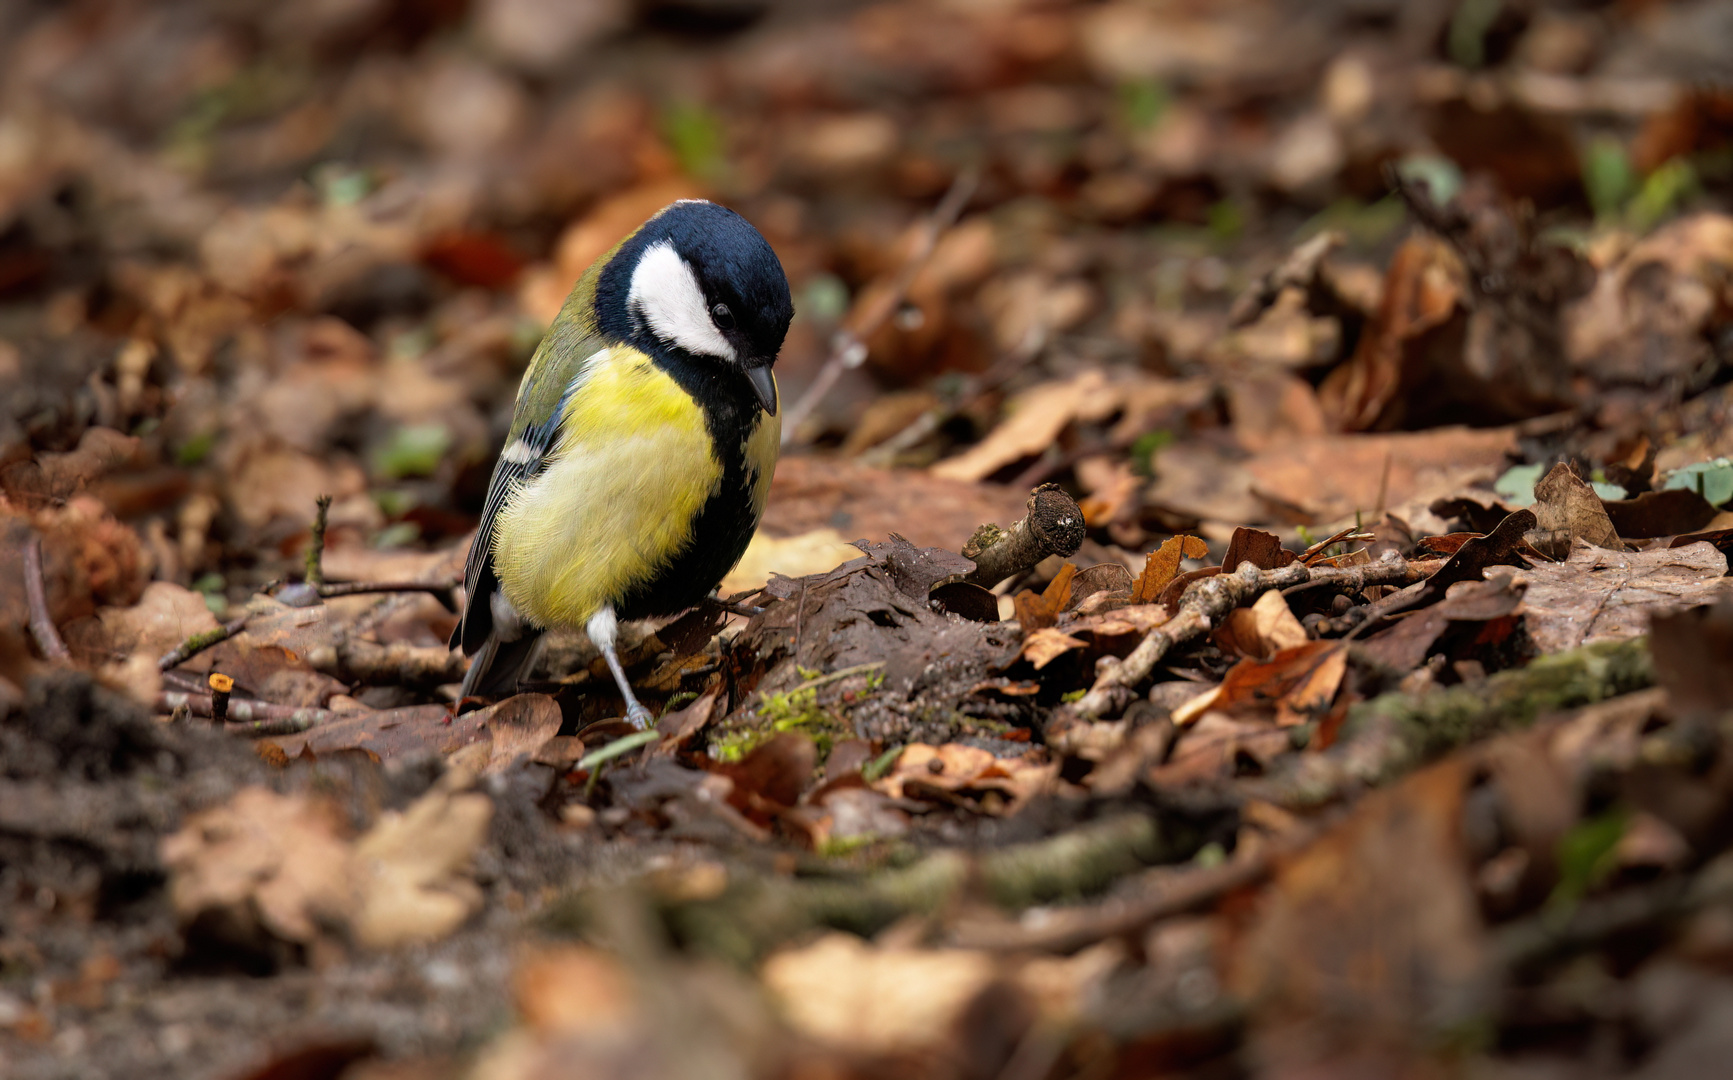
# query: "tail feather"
499,665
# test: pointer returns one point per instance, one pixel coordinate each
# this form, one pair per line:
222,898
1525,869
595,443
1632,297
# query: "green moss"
799,709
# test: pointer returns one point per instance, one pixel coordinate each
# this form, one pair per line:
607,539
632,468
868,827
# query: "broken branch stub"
1051,525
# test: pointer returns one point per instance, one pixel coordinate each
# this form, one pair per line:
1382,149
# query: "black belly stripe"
725,523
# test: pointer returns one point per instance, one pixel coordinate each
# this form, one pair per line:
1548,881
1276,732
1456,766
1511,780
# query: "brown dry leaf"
574,990
1311,672
53,478
1693,651
1564,502
1406,645
1163,566
1096,588
276,864
509,727
288,483
1648,318
1600,595
1036,417
1659,513
164,616
1033,422
411,867
1271,408
791,556
544,288
1048,644
1332,477
1112,487
1374,928
89,559
1422,292
1265,628
955,768
845,991
812,493
1035,612
1262,549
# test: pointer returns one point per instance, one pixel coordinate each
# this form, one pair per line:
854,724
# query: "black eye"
724,318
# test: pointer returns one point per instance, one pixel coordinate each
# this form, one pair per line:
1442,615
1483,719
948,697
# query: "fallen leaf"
791,556
1600,595
411,868
1563,501
1035,612
958,769
1333,477
273,864
1047,644
1375,927
845,991
1163,566
1265,628
1262,549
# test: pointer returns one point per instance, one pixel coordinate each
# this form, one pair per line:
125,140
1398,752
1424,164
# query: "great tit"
641,450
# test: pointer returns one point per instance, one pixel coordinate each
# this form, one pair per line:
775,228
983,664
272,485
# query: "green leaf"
1586,855
1607,176
1517,484
695,135
1711,479
414,450
1143,103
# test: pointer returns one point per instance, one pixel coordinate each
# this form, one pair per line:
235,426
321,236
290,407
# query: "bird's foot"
639,717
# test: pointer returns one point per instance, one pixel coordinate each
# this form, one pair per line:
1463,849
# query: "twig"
199,642
441,591
1052,524
397,664
1207,602
316,550
848,347
247,716
1159,892
36,596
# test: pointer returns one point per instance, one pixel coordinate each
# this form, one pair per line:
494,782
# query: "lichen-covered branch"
757,912
1396,732
1052,524
201,641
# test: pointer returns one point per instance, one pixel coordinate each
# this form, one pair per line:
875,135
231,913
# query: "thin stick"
316,551
1206,602
247,716
199,642
36,597
441,591
848,348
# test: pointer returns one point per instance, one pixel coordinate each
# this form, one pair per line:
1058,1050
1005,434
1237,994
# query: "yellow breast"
628,478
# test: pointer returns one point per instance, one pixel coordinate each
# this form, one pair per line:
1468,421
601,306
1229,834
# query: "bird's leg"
603,629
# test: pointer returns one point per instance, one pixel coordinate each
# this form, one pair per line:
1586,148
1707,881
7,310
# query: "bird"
641,447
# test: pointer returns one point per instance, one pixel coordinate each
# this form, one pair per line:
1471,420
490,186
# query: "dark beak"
764,385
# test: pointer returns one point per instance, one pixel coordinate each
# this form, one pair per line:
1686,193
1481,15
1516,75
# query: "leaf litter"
1344,696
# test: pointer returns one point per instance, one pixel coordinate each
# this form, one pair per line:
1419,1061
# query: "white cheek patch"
666,295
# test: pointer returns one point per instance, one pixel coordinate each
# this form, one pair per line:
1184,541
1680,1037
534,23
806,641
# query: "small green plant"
1586,855
694,134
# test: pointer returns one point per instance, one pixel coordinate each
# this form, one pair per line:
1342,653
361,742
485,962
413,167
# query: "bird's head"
698,280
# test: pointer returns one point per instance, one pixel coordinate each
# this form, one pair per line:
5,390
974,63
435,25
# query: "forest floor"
1341,688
